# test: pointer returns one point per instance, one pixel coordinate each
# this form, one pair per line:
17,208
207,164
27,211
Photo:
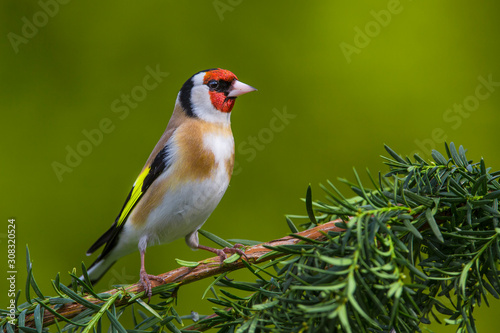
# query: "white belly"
185,208
184,211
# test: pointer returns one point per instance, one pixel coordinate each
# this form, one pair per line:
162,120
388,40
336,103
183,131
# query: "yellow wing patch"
134,196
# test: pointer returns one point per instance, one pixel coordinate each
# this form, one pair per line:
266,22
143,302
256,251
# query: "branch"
436,221
184,275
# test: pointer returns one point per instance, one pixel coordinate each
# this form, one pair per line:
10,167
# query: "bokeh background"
336,81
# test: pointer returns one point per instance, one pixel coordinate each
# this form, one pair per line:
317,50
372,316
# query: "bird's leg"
222,252
145,278
193,242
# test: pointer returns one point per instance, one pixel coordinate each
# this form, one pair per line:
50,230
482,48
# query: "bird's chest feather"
196,181
204,152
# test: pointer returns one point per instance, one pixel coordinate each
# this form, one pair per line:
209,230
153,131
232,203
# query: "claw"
235,249
146,283
146,278
222,252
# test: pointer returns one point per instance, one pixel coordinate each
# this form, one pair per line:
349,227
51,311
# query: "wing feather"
147,176
155,165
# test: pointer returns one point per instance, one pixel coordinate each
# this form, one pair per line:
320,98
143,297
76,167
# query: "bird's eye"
213,84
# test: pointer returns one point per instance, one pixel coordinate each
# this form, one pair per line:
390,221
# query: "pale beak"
239,88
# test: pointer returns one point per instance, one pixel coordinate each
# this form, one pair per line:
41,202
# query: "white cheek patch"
198,79
203,108
200,99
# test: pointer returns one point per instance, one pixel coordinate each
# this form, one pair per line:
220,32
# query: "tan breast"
198,160
195,160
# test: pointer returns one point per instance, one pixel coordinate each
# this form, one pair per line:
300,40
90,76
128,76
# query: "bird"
183,180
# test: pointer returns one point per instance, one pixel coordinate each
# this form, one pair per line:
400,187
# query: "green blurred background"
351,76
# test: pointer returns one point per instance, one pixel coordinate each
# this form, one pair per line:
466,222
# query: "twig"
185,275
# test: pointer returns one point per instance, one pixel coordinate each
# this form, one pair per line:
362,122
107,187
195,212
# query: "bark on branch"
185,275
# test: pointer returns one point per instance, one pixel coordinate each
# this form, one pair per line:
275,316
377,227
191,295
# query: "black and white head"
210,94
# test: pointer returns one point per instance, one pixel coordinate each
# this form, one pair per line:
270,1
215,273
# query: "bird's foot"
235,249
227,250
145,279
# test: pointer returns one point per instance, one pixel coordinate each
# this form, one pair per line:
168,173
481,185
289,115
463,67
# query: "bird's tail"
99,267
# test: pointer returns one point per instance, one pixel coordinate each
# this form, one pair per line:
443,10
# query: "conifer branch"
185,275
383,260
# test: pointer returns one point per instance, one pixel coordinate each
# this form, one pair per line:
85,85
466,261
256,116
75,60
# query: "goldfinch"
183,179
